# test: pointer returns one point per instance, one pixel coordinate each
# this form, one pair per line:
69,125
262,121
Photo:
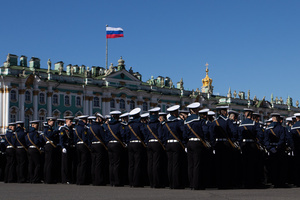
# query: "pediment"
122,75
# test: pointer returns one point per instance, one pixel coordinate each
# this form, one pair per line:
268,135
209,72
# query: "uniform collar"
192,118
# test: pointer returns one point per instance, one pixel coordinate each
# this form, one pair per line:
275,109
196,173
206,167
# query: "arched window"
132,105
122,104
67,100
145,106
55,99
112,103
78,101
13,95
96,102
42,98
27,96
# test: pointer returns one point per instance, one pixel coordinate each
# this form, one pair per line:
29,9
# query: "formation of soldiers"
178,150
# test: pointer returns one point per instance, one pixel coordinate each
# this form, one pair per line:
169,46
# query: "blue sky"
249,45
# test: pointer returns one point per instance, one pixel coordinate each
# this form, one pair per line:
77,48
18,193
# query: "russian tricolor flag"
114,32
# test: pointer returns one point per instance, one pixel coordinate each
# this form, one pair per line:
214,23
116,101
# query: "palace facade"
29,92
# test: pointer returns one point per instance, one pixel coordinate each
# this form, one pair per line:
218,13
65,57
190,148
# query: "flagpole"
106,50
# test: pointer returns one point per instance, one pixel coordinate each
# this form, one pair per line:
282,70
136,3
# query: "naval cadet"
295,132
98,150
21,152
162,117
221,139
83,151
196,148
145,118
34,143
155,150
50,138
248,137
172,132
68,152
124,118
275,143
116,147
136,149
10,169
2,156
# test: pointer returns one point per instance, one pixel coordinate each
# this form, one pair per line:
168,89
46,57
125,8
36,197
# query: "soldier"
98,150
115,138
83,151
249,134
183,114
162,117
10,169
136,149
21,152
50,138
68,152
222,132
172,132
275,143
91,120
295,133
145,118
124,118
155,150
34,143
196,148
236,156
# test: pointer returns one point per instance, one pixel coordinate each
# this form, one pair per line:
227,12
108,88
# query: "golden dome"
206,81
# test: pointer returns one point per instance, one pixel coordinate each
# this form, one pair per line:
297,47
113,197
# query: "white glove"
64,150
185,149
214,151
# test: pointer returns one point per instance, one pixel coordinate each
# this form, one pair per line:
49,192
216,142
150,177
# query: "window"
55,99
96,102
132,105
42,98
78,101
67,100
122,104
13,118
145,106
112,103
13,95
27,96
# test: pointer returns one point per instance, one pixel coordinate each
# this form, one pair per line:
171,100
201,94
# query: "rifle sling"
155,137
98,138
115,136
174,135
136,135
197,135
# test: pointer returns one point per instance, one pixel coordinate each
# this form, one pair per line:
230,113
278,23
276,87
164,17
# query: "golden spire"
206,81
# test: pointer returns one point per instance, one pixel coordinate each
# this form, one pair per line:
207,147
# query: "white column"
91,104
49,101
6,107
35,104
1,109
21,104
127,105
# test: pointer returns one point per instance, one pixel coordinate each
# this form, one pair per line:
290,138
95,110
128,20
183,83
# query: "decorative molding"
22,91
35,92
139,102
49,94
133,98
123,96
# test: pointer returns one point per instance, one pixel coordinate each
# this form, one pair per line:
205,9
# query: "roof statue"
207,82
49,65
